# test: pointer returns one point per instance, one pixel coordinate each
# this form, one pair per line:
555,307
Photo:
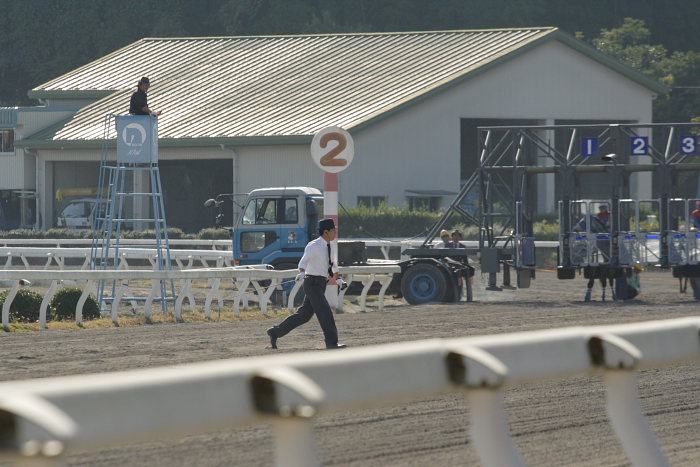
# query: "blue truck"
276,224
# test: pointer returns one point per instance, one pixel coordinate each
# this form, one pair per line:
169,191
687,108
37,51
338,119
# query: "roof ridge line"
385,33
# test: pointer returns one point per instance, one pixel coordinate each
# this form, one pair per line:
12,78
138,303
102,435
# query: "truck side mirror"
210,203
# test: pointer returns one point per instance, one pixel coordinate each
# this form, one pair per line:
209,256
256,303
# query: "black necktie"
330,263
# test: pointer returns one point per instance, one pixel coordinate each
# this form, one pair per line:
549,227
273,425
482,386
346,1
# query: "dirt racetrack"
554,423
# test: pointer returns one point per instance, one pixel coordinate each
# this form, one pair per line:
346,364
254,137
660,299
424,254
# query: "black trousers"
314,303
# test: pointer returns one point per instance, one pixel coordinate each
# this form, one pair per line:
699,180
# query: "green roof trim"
171,142
75,94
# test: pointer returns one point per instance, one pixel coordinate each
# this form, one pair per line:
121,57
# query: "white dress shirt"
315,259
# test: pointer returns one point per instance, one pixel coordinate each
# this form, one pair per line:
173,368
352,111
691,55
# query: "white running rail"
49,417
264,281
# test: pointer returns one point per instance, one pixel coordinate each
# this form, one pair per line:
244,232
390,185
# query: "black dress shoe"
336,346
273,337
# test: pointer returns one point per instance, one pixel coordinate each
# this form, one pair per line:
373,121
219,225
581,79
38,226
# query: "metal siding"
11,171
417,149
33,120
29,172
267,166
8,117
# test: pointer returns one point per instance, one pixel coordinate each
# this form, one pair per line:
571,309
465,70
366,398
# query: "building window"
371,201
7,141
423,203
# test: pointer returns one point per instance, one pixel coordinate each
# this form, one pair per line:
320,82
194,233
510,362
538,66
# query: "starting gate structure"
593,167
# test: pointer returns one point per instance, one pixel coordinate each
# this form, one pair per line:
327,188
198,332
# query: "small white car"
78,214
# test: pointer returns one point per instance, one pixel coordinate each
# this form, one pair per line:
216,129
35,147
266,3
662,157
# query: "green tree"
629,44
681,70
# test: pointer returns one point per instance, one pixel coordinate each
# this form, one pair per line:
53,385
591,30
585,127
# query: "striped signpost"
332,149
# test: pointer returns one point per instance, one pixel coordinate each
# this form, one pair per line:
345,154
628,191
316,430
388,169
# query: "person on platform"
139,99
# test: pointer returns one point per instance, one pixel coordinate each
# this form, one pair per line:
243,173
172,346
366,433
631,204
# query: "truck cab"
78,214
275,226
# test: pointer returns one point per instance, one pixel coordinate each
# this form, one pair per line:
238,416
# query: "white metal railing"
64,242
48,417
264,281
184,259
224,245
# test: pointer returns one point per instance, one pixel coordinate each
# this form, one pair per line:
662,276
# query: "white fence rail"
224,245
264,282
64,242
48,417
184,259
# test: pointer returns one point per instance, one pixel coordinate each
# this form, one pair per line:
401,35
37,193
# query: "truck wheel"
423,283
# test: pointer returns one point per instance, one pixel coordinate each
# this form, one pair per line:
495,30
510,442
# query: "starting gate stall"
590,241
683,237
639,237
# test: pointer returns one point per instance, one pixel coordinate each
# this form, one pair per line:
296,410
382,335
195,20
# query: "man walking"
317,266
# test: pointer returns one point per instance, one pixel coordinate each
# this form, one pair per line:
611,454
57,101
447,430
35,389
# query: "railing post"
628,420
292,399
619,359
482,375
7,304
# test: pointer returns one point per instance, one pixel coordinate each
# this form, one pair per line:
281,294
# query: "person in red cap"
695,215
139,99
317,267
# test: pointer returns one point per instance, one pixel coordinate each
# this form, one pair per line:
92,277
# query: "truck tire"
423,283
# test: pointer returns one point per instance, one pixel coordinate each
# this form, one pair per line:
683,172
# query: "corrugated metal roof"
279,86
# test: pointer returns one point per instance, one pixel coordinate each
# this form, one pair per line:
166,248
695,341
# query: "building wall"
419,148
17,171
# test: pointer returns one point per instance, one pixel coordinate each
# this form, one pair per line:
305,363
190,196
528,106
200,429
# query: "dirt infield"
554,423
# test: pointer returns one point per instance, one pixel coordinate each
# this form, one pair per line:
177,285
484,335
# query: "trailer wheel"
423,283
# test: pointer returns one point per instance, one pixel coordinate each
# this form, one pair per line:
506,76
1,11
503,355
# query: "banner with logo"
137,139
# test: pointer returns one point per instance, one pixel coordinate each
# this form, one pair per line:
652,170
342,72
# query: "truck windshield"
271,211
77,209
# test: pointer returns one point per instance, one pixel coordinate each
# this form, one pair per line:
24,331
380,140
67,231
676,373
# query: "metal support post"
628,421
483,375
